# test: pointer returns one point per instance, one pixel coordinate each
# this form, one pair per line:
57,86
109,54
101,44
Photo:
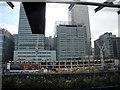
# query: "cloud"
16,16
16,4
103,21
11,28
9,18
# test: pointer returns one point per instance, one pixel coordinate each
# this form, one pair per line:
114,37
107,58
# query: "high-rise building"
71,42
49,43
30,46
6,45
106,43
116,47
15,41
78,14
27,40
119,25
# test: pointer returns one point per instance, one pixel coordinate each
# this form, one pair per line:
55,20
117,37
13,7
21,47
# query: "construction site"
68,66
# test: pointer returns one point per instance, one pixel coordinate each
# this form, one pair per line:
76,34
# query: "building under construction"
36,65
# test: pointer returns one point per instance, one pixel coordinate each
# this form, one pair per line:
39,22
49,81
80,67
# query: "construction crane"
36,48
101,52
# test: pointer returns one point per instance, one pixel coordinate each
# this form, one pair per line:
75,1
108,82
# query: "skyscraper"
119,25
15,41
30,46
71,42
25,35
79,15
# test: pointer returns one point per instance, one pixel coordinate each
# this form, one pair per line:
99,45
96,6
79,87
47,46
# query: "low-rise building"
6,45
33,56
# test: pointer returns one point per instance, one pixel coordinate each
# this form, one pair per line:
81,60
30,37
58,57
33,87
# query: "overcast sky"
103,21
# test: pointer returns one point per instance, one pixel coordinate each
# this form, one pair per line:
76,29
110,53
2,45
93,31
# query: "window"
1,44
1,37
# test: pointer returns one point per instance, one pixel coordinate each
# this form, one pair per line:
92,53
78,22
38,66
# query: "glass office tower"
78,15
71,42
27,40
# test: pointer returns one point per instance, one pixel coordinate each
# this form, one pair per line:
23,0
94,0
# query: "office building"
27,40
31,55
6,45
15,41
117,47
78,14
49,43
55,43
71,42
119,22
30,46
107,43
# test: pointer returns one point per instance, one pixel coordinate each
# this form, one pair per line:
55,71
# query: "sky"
9,18
103,21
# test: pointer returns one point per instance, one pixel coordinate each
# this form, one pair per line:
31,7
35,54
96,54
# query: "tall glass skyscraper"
27,40
30,46
79,15
71,42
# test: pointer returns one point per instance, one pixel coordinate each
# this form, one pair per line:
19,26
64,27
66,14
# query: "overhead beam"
101,7
71,6
10,4
91,3
118,12
75,2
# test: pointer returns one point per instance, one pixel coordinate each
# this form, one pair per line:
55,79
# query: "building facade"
119,25
6,45
71,42
117,47
31,56
15,41
27,40
79,14
29,45
106,43
49,43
